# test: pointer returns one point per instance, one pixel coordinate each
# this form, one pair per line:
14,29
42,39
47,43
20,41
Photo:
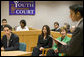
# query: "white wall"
47,12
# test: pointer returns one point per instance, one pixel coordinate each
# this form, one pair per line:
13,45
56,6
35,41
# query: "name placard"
21,7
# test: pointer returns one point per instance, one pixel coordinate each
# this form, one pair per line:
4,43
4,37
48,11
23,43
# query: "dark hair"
48,30
68,26
56,23
63,28
4,20
23,21
77,8
10,28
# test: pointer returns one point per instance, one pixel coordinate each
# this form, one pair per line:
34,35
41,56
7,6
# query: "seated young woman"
22,26
44,41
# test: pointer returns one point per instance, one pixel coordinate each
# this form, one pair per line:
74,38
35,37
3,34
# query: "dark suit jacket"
75,46
13,42
56,30
47,43
2,27
68,31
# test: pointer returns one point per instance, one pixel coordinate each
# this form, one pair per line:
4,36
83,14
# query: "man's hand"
2,49
56,50
41,48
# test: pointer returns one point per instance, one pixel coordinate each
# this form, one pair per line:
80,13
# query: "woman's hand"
56,50
41,48
63,43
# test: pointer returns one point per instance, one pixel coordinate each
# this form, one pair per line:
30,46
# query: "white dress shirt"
22,29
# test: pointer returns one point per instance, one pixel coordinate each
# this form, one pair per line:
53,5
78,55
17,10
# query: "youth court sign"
21,7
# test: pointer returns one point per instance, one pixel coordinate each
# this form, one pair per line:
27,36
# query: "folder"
57,41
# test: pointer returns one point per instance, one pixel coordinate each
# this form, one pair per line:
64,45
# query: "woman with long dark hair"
44,41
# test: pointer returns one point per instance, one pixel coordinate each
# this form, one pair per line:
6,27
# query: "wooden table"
15,53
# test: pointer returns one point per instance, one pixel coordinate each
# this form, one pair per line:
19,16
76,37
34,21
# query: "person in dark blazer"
75,46
9,41
4,22
56,27
44,41
67,26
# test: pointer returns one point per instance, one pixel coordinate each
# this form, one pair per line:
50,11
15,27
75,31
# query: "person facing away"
22,26
44,41
75,46
56,27
63,38
4,22
9,41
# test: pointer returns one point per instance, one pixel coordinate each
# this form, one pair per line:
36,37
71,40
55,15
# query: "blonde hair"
63,28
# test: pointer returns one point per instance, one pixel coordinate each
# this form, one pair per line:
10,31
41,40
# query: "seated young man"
9,41
4,22
67,26
64,38
56,27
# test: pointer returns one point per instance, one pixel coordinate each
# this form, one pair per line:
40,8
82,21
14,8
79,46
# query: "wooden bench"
31,37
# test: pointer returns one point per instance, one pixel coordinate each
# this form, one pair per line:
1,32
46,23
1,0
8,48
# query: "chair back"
22,46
